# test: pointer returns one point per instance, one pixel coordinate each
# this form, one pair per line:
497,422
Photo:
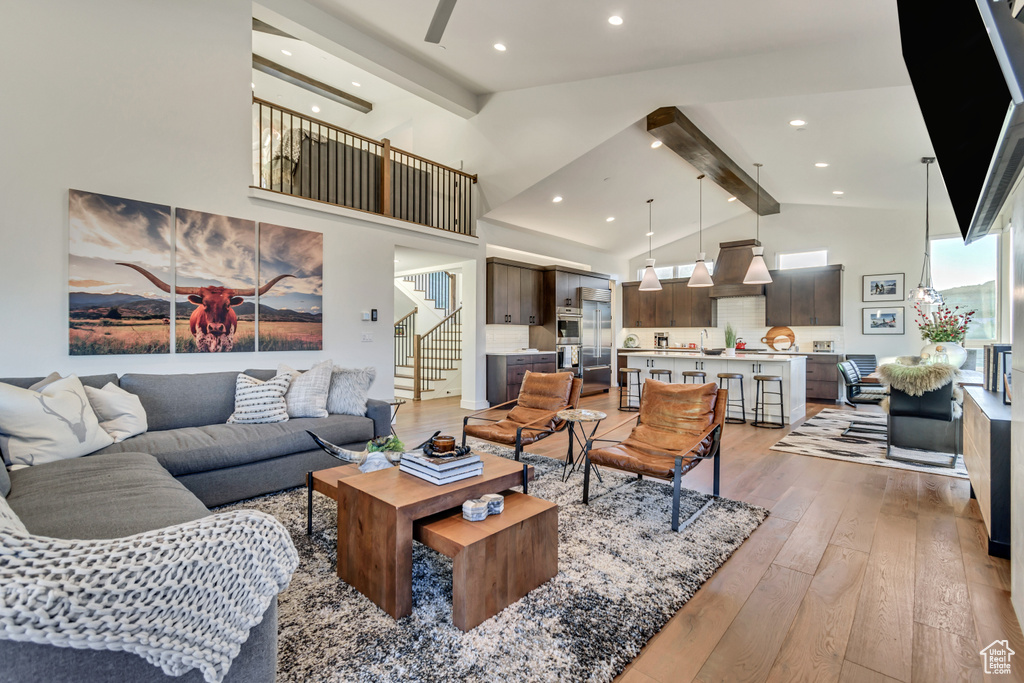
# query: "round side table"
578,420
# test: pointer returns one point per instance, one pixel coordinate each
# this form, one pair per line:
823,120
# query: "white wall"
151,101
865,241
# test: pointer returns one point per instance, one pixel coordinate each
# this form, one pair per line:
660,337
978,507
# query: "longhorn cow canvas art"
290,314
110,309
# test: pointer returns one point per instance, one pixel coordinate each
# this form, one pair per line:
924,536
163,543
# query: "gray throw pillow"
307,394
349,390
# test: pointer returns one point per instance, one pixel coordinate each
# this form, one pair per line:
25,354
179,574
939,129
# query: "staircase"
429,365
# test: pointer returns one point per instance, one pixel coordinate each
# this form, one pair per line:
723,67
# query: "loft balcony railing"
303,157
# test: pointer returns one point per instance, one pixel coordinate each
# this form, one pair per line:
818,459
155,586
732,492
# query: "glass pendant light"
924,293
700,277
650,281
757,273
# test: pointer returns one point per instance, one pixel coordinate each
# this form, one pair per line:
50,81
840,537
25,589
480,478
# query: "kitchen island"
791,368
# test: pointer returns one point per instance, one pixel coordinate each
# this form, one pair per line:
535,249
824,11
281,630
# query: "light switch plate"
366,316
367,336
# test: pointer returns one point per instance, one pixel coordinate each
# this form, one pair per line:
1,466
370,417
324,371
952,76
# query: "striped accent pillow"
259,402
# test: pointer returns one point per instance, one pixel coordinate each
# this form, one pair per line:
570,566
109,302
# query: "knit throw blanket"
182,597
917,380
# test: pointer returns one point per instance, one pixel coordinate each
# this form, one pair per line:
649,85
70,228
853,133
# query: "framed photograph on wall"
883,320
886,287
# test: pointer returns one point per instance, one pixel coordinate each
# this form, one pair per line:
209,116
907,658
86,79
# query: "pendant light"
700,277
924,293
757,273
650,281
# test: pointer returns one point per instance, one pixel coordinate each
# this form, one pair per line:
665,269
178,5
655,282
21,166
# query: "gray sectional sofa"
189,460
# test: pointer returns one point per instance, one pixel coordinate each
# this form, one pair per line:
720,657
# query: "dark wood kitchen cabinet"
514,295
505,373
805,297
630,304
567,289
674,305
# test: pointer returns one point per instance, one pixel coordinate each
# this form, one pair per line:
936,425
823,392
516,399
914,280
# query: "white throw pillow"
120,412
49,379
349,390
56,423
8,520
259,402
307,395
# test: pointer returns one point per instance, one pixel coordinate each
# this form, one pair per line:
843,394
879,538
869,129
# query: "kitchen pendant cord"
757,211
700,213
650,228
926,267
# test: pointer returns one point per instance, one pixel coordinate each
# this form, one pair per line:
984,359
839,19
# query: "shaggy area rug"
822,437
622,574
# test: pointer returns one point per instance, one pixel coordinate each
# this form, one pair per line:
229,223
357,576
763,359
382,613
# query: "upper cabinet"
674,305
805,297
567,287
524,294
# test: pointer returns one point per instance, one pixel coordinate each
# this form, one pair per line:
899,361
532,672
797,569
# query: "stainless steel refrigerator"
596,340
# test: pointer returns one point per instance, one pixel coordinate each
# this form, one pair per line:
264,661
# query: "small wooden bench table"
495,561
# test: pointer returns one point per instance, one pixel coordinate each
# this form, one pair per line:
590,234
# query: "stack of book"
441,470
996,365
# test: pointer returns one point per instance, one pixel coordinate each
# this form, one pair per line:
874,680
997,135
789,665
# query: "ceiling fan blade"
440,21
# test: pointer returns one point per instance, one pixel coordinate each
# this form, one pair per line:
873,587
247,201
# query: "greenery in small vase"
730,336
943,325
385,443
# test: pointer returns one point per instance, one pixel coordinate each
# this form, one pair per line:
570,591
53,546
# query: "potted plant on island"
945,330
730,340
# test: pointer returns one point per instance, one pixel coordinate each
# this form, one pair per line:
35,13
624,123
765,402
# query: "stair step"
404,387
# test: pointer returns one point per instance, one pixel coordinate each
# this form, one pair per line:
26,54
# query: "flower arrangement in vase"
730,340
945,330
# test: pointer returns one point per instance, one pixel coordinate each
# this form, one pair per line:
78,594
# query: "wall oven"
567,326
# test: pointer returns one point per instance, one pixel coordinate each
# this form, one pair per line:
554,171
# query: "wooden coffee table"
376,512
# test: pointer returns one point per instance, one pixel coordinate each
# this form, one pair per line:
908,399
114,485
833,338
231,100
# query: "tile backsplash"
500,338
747,317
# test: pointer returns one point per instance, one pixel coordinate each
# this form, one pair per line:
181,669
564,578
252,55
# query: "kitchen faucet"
703,334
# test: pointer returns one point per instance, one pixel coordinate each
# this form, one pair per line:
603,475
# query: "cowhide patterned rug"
822,437
622,574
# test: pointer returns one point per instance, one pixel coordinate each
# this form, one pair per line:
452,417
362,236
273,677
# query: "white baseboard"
467,404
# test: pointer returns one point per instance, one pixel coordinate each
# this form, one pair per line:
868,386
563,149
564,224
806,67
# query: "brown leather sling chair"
678,427
532,418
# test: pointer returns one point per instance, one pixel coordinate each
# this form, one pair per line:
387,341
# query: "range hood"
730,268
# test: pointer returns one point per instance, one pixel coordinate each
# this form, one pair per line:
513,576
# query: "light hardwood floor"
861,573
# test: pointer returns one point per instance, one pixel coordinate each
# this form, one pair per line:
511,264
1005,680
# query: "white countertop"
623,349
784,358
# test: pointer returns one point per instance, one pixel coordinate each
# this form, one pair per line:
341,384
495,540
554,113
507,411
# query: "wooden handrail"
472,176
407,316
319,122
446,319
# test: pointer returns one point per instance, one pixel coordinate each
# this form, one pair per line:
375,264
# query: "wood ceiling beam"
311,84
682,136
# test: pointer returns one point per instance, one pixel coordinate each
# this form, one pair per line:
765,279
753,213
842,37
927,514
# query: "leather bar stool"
629,379
662,375
760,404
695,374
725,382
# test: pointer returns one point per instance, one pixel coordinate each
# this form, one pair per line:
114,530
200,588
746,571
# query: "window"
803,259
687,270
667,272
966,275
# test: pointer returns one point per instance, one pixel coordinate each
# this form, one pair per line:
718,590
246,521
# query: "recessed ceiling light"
797,122
837,192
396,260
609,219
358,85
286,53
650,234
732,199
656,144
821,164
499,47
316,109
615,20
253,85
557,199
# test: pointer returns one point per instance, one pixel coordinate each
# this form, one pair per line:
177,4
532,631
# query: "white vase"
730,352
955,354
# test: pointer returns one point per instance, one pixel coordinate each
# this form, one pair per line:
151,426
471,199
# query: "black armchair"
858,391
926,423
866,362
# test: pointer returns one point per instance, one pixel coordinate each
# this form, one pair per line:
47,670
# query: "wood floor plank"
941,598
794,502
934,495
856,526
748,649
882,637
816,643
807,543
979,566
631,675
943,656
684,644
900,494
855,673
